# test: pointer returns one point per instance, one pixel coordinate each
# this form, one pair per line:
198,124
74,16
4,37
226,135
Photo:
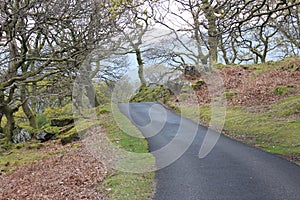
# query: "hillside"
263,105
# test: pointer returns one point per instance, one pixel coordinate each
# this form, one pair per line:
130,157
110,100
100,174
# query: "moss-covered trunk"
92,96
1,116
10,124
29,112
213,35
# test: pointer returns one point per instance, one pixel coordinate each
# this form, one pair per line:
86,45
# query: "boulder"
60,122
44,136
70,138
20,136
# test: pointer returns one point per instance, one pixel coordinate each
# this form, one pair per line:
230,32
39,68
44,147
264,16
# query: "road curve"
231,171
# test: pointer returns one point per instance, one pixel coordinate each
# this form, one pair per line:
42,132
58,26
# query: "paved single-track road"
232,170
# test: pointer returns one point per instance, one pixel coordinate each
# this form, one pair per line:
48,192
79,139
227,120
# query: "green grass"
20,154
274,128
128,186
286,64
122,185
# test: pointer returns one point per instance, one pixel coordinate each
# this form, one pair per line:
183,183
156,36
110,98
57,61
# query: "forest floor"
65,172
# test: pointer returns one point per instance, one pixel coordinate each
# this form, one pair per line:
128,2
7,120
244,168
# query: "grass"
274,128
287,63
128,186
122,185
20,154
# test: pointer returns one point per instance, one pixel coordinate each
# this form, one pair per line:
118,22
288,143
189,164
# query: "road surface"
232,170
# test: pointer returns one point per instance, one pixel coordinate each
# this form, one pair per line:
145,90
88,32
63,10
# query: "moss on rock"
149,94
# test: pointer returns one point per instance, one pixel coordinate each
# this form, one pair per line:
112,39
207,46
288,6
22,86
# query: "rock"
174,86
191,70
65,129
20,136
44,136
70,138
60,122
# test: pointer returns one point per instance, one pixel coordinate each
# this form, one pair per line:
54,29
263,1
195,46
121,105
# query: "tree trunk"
10,124
92,96
1,115
223,49
213,35
213,40
30,114
140,67
201,58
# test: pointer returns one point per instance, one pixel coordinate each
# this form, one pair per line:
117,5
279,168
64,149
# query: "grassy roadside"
274,128
121,185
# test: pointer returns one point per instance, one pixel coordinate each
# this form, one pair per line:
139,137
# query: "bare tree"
42,39
216,26
136,23
288,23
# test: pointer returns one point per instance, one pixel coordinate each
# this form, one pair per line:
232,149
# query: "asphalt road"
232,170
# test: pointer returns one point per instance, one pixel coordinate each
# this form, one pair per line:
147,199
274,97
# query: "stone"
20,136
62,122
70,138
44,136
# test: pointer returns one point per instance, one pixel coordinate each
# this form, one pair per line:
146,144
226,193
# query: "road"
232,170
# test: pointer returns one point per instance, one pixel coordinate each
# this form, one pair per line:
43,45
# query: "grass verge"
274,128
120,185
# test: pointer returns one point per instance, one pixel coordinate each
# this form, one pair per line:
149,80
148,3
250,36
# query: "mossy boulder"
44,136
61,122
52,129
65,129
20,135
71,137
148,94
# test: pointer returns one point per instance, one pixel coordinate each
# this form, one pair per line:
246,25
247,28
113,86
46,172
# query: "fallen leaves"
75,174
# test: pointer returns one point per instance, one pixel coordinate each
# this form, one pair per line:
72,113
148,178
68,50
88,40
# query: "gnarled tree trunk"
10,124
